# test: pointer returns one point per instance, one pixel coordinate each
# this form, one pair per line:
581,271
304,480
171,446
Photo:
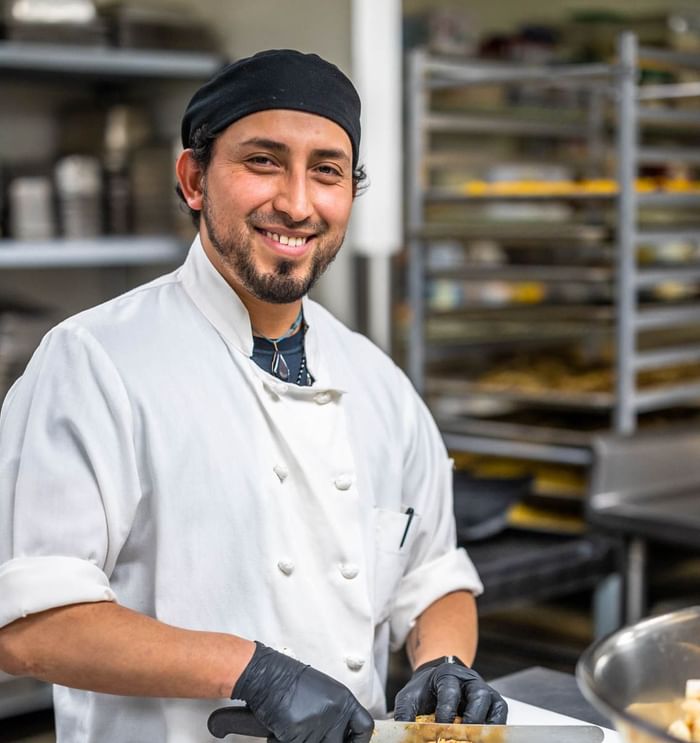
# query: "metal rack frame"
630,277
619,83
632,112
631,402
425,74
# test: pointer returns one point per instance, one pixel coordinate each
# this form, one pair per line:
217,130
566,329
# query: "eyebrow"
275,146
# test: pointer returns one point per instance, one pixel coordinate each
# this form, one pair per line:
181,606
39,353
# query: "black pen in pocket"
409,513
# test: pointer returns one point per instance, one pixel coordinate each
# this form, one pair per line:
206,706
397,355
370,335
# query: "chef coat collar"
220,304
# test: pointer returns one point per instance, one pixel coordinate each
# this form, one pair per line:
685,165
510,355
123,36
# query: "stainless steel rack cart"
639,107
609,198
426,75
627,200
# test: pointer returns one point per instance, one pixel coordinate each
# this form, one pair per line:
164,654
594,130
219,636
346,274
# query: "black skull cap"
276,78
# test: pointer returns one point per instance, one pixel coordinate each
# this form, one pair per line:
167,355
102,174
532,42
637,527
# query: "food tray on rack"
551,398
497,331
548,427
547,432
513,231
551,382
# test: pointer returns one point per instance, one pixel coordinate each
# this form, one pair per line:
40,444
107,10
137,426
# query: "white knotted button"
349,570
281,471
286,566
323,397
354,662
343,482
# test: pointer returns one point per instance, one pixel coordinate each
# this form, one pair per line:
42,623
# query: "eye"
262,161
329,171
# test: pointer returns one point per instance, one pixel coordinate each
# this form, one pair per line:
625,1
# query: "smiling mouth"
289,240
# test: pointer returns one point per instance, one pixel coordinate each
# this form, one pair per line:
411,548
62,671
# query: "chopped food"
680,730
431,718
437,738
687,728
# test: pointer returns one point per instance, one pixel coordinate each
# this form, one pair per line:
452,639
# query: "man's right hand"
297,703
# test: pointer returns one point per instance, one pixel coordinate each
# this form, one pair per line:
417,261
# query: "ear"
189,176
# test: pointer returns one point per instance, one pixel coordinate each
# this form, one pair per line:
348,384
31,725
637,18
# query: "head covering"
277,78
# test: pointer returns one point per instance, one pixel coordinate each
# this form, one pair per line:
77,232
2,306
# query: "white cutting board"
520,713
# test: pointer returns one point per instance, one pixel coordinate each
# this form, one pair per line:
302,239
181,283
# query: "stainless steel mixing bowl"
637,675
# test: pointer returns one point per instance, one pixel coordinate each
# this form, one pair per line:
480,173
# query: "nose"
293,197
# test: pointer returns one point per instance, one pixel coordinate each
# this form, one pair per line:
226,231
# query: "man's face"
276,200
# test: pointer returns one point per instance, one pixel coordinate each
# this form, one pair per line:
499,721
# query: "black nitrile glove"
449,688
299,704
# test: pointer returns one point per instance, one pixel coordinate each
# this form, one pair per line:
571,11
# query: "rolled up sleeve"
69,485
452,571
436,566
34,584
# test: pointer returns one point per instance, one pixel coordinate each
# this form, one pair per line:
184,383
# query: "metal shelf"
509,446
453,349
547,435
436,195
660,237
667,396
666,317
551,398
656,358
651,276
662,155
90,61
470,123
677,117
669,199
668,91
532,312
93,252
564,274
525,232
644,401
449,73
669,57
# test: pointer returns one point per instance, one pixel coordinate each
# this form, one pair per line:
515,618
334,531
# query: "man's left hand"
448,687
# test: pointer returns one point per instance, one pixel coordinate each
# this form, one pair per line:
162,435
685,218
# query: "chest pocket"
391,557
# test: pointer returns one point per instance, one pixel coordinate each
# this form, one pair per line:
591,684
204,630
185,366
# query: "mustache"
260,220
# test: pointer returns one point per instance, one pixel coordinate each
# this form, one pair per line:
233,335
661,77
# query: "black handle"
240,720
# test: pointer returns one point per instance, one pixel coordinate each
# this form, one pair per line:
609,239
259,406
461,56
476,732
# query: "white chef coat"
146,459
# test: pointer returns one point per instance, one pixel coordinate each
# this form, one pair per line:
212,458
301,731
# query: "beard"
280,286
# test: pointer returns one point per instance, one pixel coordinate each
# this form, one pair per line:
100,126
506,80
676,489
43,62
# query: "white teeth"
293,242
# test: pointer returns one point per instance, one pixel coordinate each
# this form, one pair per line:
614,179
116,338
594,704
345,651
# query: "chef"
211,489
